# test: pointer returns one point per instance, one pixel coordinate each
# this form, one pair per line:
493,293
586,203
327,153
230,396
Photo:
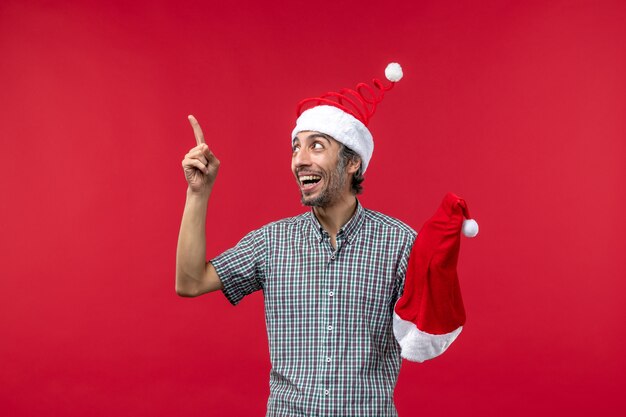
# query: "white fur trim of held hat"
342,126
419,346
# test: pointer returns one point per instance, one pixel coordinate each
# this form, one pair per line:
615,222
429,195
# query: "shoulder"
389,224
295,222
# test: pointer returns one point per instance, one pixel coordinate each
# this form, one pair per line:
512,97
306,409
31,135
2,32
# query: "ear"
353,165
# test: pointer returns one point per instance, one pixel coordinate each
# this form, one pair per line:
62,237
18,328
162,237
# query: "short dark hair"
348,155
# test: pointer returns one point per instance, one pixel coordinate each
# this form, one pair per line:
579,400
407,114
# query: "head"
344,115
325,169
341,126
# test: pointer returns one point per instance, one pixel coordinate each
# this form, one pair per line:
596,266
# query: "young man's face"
321,175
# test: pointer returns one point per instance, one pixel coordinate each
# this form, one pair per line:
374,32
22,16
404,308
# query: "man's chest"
310,280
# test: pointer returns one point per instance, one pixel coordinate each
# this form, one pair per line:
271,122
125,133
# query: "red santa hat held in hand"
429,315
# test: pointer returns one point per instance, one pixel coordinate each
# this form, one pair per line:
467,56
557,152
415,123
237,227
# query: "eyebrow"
316,136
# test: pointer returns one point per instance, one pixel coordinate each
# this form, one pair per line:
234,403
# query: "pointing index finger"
197,130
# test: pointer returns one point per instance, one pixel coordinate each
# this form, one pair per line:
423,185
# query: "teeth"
310,178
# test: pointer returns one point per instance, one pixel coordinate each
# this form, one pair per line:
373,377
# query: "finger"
201,160
194,163
197,130
199,155
204,161
206,151
212,158
198,150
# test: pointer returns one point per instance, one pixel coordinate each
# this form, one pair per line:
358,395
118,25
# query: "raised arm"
194,275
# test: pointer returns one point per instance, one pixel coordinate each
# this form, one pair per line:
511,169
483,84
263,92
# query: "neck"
333,217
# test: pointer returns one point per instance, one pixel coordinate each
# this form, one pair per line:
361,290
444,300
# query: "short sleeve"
242,268
403,264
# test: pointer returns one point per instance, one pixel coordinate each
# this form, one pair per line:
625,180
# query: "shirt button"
330,328
328,359
326,392
331,293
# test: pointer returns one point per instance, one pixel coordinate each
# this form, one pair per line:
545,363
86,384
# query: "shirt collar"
348,231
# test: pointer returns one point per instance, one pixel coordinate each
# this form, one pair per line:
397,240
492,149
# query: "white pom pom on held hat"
345,114
470,228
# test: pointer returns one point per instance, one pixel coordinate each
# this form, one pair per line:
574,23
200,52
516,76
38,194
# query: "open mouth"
310,179
308,182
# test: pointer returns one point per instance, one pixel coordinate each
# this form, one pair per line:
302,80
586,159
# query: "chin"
307,201
321,201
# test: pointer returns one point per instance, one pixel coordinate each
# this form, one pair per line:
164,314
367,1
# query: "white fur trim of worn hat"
343,127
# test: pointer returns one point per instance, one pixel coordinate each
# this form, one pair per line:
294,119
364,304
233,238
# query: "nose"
301,158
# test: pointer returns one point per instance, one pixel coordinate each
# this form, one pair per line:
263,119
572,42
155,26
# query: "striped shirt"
328,311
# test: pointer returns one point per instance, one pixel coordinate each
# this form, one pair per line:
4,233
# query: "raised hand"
200,165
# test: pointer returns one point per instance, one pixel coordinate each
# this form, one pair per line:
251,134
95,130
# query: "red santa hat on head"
344,115
430,314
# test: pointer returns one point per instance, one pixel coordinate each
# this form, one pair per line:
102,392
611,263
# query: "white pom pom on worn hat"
393,72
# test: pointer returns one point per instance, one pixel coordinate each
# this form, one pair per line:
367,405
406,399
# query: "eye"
318,145
295,148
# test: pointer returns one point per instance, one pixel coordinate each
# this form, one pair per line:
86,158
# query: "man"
330,277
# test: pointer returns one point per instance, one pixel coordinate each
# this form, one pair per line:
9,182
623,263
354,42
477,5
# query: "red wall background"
516,106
